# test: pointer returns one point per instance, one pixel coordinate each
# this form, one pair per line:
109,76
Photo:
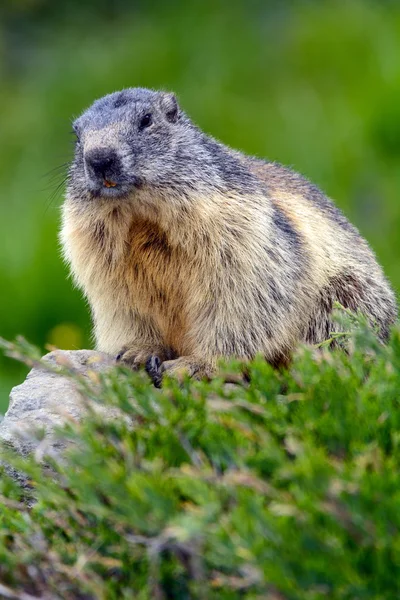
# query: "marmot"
190,251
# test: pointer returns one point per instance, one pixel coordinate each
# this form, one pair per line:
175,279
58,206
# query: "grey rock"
46,400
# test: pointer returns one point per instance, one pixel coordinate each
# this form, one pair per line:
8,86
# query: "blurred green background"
312,84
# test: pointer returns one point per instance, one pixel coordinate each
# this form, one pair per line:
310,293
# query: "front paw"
179,368
133,358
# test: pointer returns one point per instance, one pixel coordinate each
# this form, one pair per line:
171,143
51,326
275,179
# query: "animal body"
189,251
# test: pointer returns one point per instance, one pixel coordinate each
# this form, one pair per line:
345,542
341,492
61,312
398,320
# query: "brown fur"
219,271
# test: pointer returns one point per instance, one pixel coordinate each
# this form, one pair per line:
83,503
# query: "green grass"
287,488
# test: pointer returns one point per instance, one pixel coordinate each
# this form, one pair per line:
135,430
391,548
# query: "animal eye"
145,121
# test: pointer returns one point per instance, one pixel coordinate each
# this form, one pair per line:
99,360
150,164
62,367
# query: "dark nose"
103,163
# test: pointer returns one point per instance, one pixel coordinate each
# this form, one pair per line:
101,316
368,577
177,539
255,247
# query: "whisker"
55,170
56,193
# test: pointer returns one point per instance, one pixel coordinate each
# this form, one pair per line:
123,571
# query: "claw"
153,369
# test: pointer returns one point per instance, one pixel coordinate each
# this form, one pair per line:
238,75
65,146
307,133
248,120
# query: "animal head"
127,140
138,145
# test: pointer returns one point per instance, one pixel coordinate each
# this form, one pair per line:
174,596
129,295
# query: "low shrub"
287,487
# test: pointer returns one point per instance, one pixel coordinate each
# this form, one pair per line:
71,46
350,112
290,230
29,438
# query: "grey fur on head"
168,153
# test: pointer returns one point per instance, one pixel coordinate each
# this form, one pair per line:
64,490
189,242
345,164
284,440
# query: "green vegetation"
286,488
312,84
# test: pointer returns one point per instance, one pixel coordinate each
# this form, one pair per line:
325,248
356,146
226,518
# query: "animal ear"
169,106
